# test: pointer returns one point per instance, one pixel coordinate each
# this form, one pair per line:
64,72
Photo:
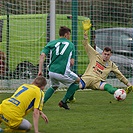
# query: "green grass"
92,113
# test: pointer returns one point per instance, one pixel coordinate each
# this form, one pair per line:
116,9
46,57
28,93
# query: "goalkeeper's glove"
86,25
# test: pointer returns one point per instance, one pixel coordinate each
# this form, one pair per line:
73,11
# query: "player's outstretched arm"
86,26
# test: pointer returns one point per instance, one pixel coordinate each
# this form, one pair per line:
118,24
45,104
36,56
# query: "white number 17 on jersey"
58,47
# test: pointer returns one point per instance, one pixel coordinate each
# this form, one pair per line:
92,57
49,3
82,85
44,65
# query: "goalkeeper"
99,68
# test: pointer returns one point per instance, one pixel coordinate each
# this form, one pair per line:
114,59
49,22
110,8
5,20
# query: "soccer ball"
120,94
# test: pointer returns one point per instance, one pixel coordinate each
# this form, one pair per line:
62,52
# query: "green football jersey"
61,51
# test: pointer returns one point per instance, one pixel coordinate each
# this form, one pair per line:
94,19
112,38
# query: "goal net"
25,30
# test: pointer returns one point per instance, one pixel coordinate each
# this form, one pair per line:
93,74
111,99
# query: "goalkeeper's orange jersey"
97,68
23,101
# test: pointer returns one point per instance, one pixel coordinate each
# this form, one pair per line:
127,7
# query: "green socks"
71,98
109,88
48,94
70,91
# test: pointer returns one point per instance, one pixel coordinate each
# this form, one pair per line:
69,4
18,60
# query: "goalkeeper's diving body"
99,68
26,98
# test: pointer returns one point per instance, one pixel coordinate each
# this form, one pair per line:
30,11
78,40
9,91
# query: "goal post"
52,20
74,29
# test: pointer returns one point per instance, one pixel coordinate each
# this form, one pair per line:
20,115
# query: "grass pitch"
93,112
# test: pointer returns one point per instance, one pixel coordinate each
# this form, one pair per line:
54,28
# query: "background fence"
25,30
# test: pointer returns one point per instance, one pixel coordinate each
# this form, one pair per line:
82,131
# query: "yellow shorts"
11,122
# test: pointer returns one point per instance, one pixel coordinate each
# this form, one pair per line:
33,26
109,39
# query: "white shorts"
25,125
66,79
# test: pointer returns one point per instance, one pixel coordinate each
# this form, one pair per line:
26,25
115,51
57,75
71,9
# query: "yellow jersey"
26,98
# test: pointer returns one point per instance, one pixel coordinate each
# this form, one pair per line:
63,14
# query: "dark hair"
107,49
40,81
63,30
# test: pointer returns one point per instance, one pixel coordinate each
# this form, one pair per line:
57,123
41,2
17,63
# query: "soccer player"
99,68
62,53
26,98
